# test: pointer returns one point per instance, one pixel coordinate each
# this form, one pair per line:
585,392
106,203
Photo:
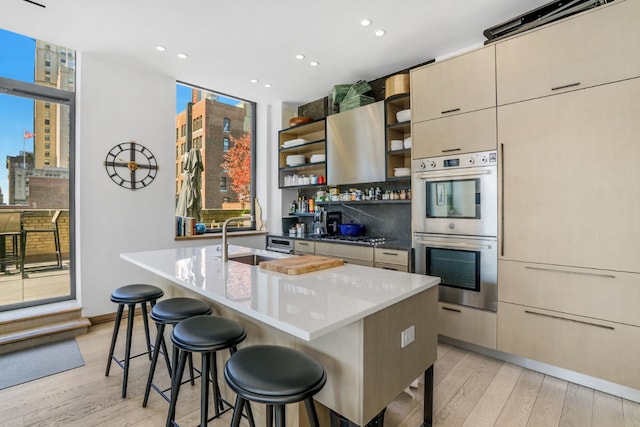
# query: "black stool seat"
205,335
130,295
174,310
170,312
274,375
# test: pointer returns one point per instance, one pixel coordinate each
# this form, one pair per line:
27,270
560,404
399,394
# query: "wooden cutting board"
301,264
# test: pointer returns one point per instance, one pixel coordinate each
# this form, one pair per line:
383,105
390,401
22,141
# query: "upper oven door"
459,201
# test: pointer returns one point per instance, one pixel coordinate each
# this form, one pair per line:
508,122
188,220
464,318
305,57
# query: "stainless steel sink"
251,259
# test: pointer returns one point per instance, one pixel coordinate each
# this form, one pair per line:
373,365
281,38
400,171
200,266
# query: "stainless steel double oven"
455,224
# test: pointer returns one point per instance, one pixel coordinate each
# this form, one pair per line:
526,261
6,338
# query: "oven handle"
452,245
453,174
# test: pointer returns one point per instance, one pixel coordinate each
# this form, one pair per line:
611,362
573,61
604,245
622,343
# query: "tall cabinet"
569,261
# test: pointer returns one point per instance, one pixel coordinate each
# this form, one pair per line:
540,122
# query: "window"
227,153
38,164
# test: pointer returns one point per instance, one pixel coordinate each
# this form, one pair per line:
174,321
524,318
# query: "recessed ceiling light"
299,56
314,63
379,33
254,80
182,56
365,22
267,85
161,48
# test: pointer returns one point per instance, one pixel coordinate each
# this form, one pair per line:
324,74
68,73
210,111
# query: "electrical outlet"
407,336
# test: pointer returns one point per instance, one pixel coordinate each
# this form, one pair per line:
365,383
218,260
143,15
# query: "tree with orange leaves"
237,163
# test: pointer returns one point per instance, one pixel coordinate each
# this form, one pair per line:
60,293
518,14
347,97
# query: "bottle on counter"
312,206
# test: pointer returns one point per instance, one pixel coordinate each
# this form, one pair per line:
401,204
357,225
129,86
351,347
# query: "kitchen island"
373,330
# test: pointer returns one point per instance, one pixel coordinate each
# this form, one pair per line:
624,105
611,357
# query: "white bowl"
295,160
403,116
396,144
407,142
317,158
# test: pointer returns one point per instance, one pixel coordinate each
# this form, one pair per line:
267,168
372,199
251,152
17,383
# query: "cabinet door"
463,133
594,347
458,85
349,253
570,178
597,47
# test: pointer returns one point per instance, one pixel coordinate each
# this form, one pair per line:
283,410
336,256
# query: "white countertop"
306,306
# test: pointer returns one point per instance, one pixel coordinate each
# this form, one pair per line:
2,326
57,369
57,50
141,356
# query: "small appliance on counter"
319,227
334,219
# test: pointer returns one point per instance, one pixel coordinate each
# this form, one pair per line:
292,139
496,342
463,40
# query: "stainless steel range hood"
356,146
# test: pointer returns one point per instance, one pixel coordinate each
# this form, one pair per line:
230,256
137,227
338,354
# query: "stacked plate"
294,142
401,171
407,142
317,158
295,160
396,144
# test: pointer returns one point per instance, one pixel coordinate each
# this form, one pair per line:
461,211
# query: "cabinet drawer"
391,256
602,294
467,324
457,85
593,347
464,133
571,54
349,253
389,266
304,246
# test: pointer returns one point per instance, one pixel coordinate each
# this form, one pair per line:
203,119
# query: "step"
31,331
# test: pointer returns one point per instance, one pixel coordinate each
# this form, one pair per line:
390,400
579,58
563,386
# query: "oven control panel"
456,161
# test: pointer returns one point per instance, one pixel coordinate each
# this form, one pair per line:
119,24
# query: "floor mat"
38,362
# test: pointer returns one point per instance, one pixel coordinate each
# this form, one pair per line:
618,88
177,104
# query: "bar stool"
275,376
170,312
205,335
131,295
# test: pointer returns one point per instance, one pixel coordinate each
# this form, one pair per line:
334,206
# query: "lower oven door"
467,267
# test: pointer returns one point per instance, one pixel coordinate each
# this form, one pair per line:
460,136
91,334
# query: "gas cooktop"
362,240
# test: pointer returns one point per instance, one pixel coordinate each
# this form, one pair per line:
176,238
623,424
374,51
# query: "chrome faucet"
225,245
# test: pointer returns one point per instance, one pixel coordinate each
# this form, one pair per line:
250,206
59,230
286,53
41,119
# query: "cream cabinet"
570,175
354,254
596,47
454,86
391,259
600,294
463,133
467,324
590,346
304,247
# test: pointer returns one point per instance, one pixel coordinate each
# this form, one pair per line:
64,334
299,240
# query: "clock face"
131,165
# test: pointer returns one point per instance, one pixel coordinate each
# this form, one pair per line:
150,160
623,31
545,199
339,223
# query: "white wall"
117,103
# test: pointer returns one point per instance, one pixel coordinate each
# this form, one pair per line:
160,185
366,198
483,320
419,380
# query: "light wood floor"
470,390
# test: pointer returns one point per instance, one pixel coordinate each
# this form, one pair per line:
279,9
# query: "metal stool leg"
175,386
154,361
204,389
127,352
145,319
114,336
280,417
237,413
311,412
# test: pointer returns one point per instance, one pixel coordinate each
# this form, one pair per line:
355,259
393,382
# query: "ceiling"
228,43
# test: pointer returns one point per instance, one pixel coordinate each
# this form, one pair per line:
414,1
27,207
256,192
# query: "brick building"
212,124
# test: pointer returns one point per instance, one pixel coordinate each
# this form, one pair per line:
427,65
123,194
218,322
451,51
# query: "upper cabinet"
589,49
302,155
458,85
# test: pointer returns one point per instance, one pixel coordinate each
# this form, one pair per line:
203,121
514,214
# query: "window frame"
252,130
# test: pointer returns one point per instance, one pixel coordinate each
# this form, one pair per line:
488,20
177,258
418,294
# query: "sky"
17,61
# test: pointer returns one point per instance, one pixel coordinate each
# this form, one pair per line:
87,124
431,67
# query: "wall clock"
131,165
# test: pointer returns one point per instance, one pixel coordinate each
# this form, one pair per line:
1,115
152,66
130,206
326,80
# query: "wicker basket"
396,85
355,102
